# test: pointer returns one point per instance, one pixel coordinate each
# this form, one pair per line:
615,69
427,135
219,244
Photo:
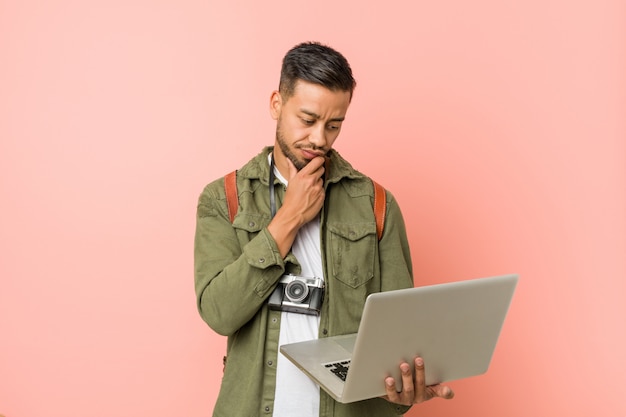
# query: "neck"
280,161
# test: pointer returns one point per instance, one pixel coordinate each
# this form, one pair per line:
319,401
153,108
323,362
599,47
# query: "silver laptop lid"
453,326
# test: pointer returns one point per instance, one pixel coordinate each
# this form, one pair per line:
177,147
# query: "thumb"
292,170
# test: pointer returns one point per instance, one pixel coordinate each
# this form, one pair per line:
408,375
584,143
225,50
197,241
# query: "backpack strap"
380,201
380,208
232,200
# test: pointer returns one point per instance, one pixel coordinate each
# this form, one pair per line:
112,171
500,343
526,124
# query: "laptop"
453,326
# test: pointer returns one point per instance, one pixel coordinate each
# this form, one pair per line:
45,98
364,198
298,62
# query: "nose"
318,136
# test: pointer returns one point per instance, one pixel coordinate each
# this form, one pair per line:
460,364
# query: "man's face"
307,123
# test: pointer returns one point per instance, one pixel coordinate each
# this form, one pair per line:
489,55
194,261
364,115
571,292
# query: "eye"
308,122
333,127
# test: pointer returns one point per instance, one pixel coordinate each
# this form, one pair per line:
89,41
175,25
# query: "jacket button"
267,409
270,363
261,260
325,331
251,224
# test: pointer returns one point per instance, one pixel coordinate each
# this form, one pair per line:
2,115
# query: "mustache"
312,147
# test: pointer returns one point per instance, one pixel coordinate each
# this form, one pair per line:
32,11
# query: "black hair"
318,64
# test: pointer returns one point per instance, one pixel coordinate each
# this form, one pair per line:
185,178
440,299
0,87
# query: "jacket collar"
338,167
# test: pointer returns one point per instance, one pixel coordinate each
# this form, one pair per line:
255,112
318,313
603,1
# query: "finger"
441,391
420,381
408,388
315,166
406,395
291,169
390,389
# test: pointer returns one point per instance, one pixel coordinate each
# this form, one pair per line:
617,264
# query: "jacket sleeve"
231,282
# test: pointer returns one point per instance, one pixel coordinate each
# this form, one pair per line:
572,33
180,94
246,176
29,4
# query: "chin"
298,163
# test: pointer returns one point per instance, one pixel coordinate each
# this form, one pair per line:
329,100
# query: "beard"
286,150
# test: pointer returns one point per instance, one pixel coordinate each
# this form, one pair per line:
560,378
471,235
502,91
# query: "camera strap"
272,193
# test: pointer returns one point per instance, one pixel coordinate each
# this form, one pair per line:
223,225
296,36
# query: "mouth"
309,153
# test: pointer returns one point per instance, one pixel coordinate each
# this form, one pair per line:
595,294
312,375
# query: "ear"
276,102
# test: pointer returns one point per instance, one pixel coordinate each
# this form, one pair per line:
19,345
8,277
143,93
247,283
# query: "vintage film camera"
298,294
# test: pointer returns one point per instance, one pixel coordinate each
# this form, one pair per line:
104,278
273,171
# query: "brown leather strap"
230,185
380,207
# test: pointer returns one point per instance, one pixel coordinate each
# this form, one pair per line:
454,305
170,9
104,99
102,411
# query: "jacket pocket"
352,252
250,223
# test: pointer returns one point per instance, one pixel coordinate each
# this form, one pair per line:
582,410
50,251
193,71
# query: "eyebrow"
317,116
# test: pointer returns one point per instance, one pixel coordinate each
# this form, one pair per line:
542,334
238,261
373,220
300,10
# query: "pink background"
498,125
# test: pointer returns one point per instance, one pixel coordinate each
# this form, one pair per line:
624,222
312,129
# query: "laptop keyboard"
339,369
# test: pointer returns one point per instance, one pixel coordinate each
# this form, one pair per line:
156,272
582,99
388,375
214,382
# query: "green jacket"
238,265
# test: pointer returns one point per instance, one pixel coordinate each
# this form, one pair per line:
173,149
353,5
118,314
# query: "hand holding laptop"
452,329
414,388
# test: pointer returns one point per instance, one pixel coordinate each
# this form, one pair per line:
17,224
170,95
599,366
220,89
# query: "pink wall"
499,126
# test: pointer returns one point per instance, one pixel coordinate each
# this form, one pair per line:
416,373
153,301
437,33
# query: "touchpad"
347,343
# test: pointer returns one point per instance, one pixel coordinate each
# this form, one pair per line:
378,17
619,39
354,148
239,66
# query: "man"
302,211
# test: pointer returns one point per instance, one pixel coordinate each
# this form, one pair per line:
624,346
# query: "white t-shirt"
296,394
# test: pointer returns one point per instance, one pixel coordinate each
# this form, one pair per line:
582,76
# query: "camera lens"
296,291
